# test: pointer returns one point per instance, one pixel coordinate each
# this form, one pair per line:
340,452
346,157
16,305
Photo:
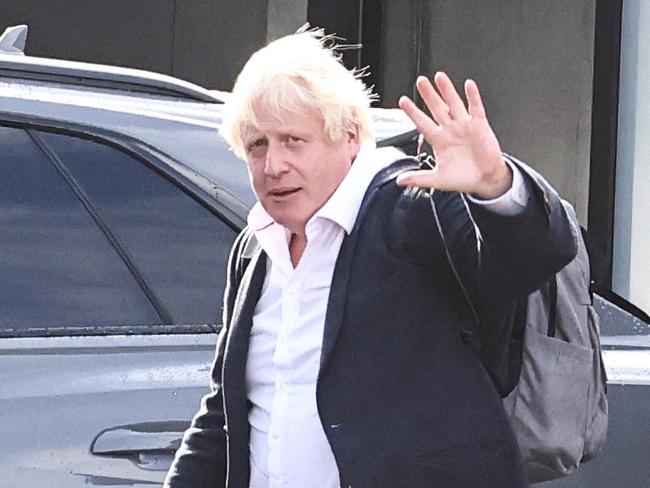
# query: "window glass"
57,268
179,246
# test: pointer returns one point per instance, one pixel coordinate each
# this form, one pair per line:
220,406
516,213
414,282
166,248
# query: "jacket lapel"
336,299
341,276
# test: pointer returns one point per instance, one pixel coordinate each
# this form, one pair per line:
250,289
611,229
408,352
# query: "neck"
297,244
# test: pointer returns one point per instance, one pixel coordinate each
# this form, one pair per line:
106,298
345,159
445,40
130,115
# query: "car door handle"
150,445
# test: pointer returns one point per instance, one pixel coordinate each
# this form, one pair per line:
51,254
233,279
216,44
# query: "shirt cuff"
511,202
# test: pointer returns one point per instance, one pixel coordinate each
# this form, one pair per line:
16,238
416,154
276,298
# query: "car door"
110,298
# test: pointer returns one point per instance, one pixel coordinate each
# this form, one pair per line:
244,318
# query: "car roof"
175,117
97,75
14,63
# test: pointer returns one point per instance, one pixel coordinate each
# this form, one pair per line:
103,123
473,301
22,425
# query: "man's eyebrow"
294,132
254,139
249,131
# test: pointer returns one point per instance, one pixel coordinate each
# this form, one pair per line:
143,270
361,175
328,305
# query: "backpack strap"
552,312
387,174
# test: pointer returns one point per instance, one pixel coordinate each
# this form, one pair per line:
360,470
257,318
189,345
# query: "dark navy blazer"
406,389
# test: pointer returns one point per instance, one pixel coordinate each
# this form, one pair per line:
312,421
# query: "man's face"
293,166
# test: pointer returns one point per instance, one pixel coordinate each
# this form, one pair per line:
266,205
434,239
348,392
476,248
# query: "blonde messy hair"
290,74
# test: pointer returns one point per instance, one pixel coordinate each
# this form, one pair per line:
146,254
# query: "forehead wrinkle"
283,121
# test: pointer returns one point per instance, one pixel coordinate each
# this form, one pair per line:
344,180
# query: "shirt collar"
344,204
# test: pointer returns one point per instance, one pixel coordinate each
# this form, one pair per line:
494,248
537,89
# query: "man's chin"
292,223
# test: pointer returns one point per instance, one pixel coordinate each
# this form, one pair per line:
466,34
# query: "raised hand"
468,155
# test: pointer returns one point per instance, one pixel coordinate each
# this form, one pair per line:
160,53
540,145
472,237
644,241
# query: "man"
342,361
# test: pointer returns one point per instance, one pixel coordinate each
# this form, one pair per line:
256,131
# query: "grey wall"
214,38
205,41
285,17
533,61
97,30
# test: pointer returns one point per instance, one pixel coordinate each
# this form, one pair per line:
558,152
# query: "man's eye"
256,144
292,140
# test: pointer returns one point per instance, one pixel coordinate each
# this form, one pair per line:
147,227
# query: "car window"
57,268
178,246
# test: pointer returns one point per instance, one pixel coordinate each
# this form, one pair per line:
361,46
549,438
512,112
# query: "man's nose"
275,163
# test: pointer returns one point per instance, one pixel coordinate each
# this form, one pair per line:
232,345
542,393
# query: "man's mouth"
283,193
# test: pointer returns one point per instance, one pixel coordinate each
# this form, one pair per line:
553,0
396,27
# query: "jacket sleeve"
519,253
500,259
200,461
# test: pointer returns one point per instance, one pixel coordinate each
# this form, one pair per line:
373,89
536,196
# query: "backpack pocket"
549,409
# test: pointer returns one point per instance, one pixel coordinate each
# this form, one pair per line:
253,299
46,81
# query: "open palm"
467,152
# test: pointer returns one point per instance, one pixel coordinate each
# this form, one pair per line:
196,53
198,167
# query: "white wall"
631,273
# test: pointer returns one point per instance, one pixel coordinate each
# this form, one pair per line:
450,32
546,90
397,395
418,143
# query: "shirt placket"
280,443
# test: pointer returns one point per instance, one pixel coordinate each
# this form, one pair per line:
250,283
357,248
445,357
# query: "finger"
422,178
433,101
422,121
450,96
474,101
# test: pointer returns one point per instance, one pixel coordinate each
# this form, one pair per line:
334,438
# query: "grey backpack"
558,409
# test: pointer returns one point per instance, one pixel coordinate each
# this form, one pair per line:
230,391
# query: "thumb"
422,178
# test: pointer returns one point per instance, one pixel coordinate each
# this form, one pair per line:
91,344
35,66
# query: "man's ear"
353,133
353,139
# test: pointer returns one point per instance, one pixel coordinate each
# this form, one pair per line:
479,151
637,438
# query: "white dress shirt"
288,446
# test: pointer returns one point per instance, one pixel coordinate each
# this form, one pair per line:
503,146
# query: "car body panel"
59,395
